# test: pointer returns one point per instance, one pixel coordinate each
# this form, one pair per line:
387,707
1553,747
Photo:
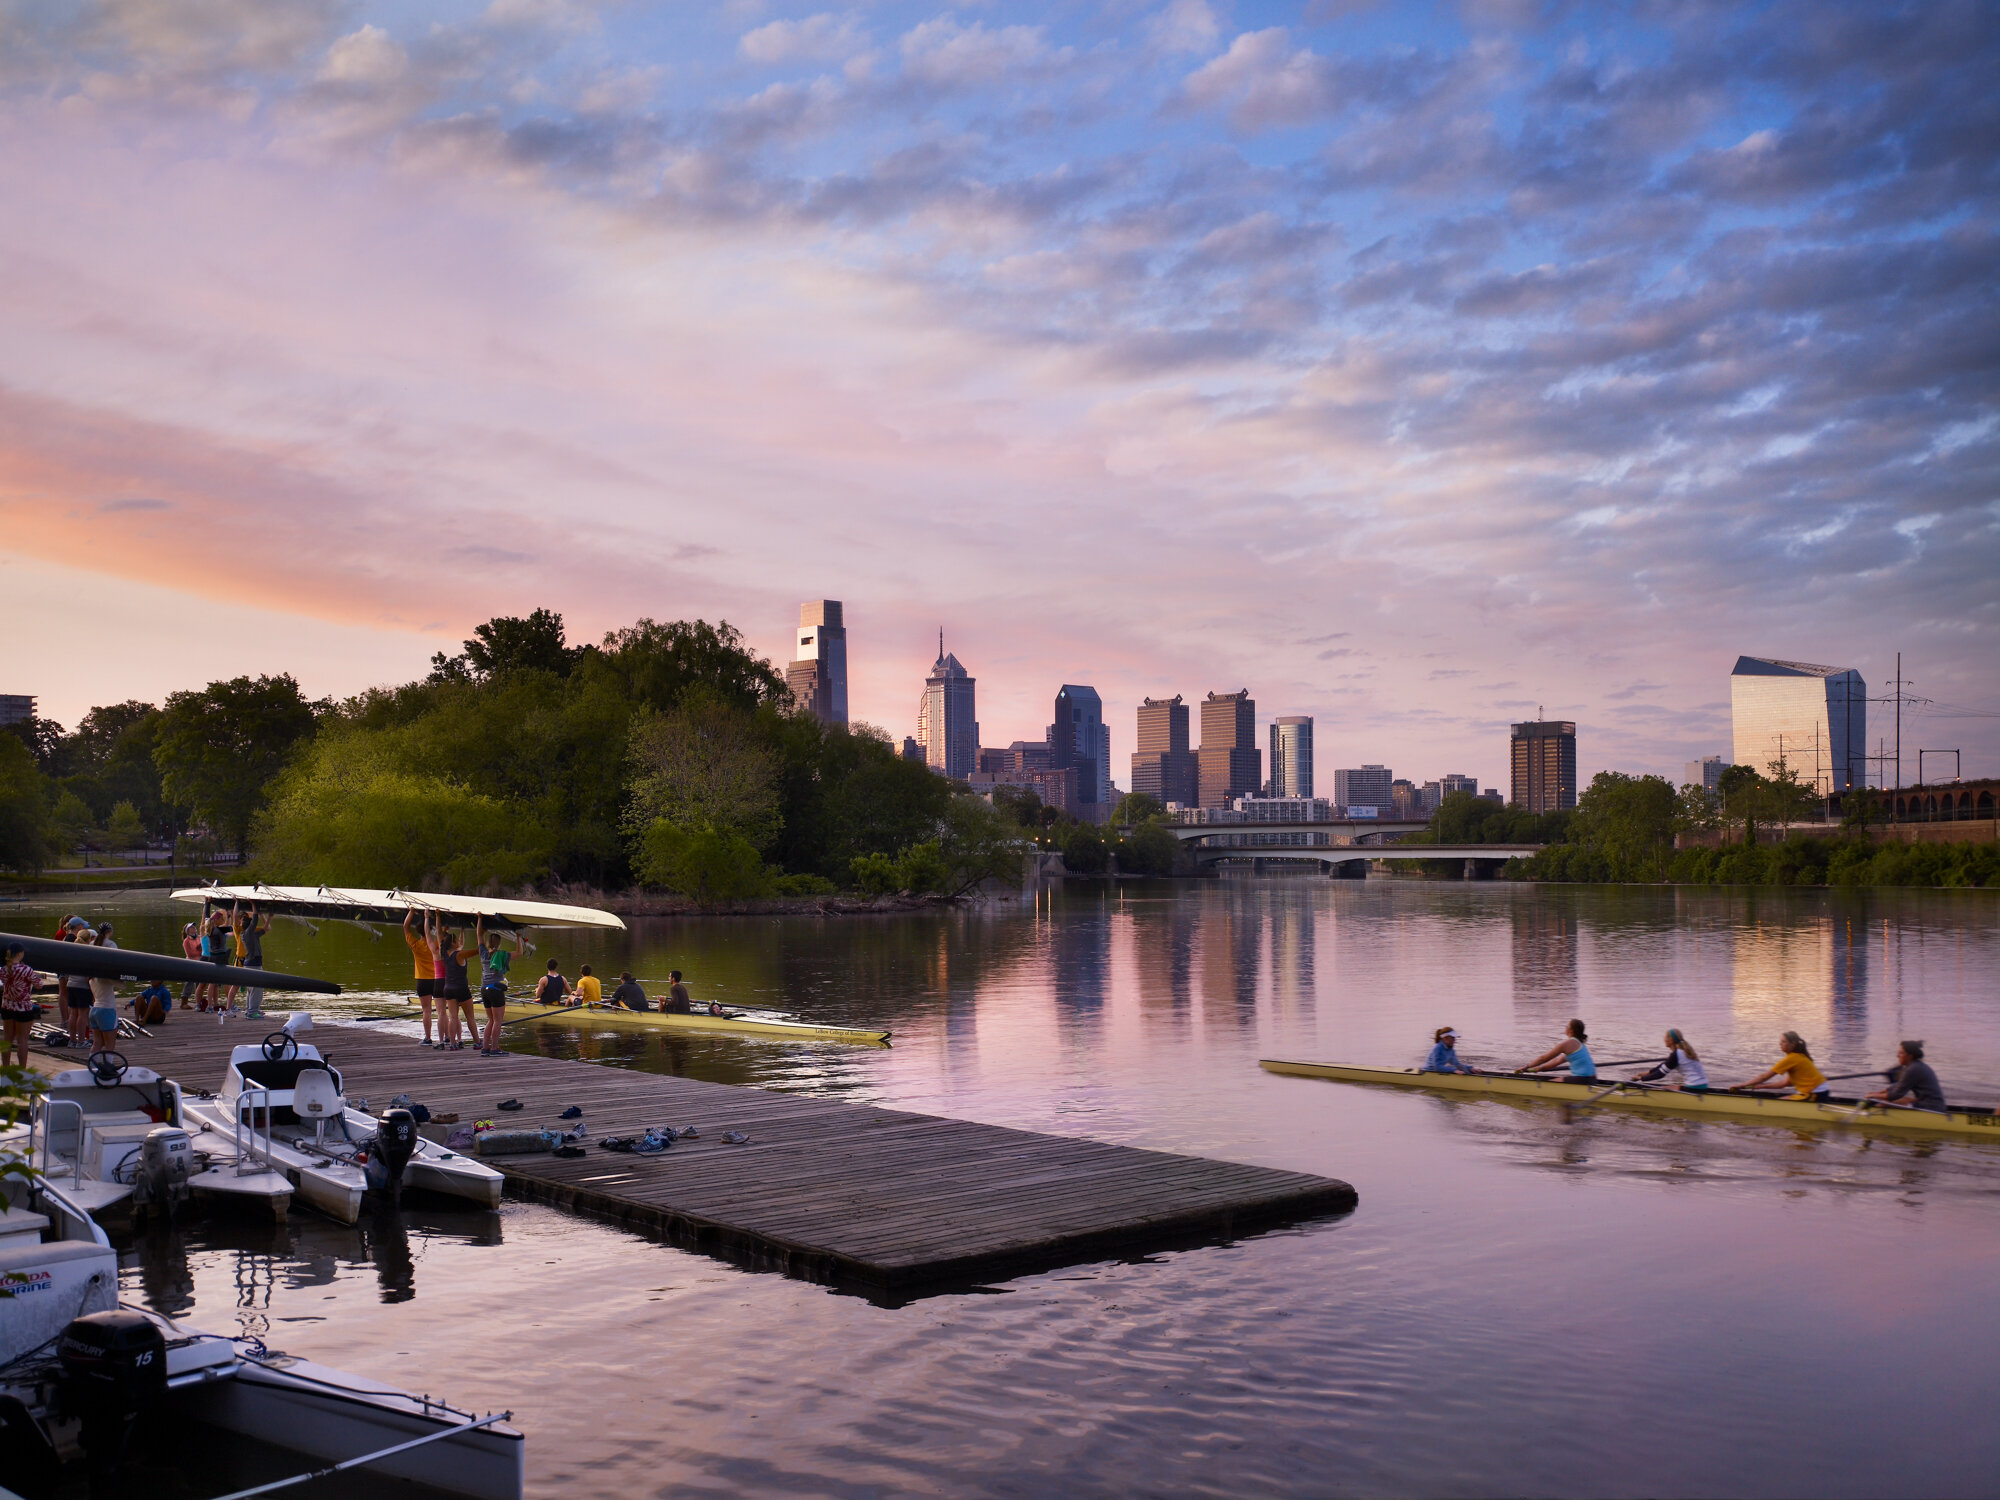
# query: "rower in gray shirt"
1912,1084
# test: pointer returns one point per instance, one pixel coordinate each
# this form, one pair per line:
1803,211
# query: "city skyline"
1413,365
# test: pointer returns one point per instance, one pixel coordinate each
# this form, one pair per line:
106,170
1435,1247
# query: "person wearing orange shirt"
426,962
1800,1072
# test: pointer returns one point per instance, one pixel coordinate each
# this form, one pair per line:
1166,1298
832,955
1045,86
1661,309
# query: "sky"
1422,368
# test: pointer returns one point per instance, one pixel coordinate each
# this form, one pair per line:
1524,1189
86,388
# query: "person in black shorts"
454,991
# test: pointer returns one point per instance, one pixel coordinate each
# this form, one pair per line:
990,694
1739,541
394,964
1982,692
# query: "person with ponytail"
1681,1058
1444,1053
1573,1052
1801,1074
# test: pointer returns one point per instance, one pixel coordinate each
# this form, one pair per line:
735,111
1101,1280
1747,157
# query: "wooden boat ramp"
883,1202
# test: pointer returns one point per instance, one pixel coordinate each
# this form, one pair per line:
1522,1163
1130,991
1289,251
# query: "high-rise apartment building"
1292,756
1544,759
1078,741
1705,773
817,677
1229,764
1451,782
16,708
1814,719
1403,799
1363,786
947,724
1163,767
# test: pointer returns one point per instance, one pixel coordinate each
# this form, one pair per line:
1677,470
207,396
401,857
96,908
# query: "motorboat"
85,1381
118,1140
283,1104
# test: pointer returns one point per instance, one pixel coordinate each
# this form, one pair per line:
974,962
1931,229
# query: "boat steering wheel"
280,1046
106,1068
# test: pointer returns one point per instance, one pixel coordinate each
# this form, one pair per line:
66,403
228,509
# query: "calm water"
1618,1306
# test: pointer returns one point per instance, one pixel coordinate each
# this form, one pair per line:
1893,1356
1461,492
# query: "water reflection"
1544,934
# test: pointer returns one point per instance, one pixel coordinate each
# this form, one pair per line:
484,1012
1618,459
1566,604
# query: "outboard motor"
165,1162
114,1368
395,1144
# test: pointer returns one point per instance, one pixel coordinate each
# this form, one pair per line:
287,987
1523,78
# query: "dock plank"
883,1200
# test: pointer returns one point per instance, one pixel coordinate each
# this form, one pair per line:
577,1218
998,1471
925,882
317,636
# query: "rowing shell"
355,904
653,1020
1722,1104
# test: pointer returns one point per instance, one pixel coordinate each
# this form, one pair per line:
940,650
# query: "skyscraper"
947,724
818,677
1363,786
1163,767
1452,781
1705,773
1079,741
1544,759
16,708
1815,719
1230,764
1292,756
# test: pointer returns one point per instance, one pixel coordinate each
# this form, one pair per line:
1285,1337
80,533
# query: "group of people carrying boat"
443,980
1912,1083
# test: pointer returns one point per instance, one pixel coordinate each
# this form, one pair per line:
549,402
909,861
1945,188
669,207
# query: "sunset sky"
1411,366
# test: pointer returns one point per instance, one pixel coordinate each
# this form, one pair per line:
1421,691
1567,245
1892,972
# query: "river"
1623,1305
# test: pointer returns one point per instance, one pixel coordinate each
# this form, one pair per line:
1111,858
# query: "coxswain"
1443,1057
1573,1052
1912,1084
1801,1074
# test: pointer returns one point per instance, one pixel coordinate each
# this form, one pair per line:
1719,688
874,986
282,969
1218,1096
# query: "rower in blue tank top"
1572,1052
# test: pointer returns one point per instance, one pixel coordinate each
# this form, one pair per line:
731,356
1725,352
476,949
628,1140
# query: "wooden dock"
880,1201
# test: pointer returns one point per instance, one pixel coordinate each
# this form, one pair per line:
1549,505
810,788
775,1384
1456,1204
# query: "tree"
976,843
73,820
43,739
1151,850
707,864
219,749
1085,852
1628,821
126,827
1136,807
704,765
24,819
658,663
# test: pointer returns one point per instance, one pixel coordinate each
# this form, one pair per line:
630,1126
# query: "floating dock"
879,1201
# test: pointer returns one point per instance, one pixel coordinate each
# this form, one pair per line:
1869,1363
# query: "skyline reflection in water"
1522,1303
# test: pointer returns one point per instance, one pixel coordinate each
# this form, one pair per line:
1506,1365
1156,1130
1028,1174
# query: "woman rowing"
1572,1052
1801,1074
1682,1059
1912,1084
1443,1056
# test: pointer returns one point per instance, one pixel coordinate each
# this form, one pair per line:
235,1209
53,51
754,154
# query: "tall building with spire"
818,676
947,722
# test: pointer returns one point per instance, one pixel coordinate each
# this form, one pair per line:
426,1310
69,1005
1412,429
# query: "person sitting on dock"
1572,1052
1682,1059
629,995
1443,1056
1802,1075
1912,1083
588,990
150,1005
677,1002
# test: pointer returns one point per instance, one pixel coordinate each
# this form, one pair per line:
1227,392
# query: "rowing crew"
1912,1082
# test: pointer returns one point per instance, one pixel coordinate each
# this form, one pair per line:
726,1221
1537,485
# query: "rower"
1443,1056
1912,1084
1572,1051
676,1003
1801,1073
588,990
1682,1059
629,995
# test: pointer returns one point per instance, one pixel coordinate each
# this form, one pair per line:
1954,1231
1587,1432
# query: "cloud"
1264,82
945,53
1183,26
368,58
818,38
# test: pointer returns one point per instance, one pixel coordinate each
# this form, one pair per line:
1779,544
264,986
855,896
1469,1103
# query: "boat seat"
316,1097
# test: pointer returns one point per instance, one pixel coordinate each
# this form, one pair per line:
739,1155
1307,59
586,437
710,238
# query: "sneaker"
572,1113
426,1042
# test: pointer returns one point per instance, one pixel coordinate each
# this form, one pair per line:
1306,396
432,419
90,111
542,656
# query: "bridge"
1328,845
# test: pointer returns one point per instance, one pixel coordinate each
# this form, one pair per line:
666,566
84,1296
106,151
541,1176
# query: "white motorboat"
283,1104
82,1379
117,1138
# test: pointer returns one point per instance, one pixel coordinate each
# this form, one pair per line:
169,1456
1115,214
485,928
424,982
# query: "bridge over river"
1332,844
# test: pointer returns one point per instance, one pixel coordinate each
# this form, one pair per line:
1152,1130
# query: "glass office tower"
1813,718
1292,756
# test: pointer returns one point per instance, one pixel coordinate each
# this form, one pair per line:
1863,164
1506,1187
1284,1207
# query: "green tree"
1084,851
509,643
976,844
1151,850
73,821
24,817
1135,808
708,864
220,748
126,828
658,663
704,764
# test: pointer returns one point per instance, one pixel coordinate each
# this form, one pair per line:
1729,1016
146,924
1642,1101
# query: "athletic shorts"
493,996
77,999
104,1018
455,992
427,987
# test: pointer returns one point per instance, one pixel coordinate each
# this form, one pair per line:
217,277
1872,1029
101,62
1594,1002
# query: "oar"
1845,1115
